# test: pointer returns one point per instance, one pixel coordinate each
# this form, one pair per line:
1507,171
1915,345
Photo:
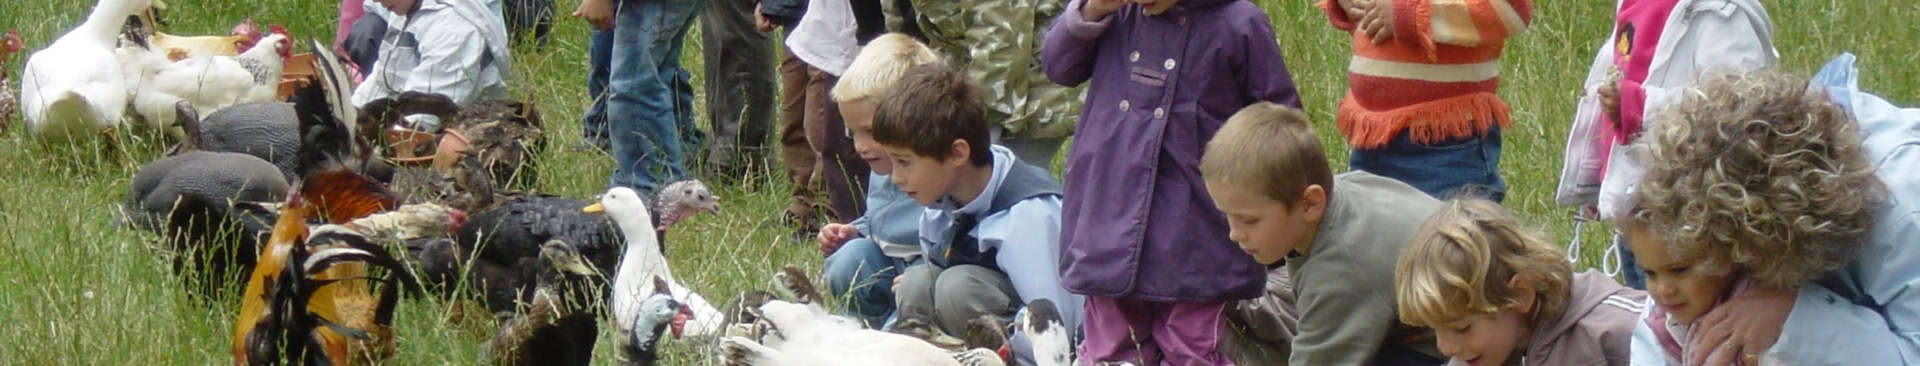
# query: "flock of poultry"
286,187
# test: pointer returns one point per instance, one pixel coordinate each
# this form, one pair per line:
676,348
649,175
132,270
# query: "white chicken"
75,85
641,261
209,82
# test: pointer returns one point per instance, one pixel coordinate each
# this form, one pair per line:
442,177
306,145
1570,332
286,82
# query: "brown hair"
1459,263
1754,171
928,109
1269,148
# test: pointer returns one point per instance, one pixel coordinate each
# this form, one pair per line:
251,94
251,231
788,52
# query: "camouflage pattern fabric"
997,43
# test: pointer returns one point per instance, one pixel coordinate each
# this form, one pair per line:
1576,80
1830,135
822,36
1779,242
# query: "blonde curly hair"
1459,262
1753,171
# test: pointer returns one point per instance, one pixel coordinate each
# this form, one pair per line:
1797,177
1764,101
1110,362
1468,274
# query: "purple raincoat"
1137,221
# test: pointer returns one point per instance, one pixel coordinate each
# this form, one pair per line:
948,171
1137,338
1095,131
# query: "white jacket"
825,37
456,48
1701,36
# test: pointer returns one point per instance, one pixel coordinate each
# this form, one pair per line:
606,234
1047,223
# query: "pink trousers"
1152,333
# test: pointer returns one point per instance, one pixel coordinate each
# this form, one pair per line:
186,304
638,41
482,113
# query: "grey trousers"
950,297
740,85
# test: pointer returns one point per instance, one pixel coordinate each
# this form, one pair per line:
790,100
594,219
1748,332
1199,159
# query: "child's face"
923,178
859,117
1484,339
1155,7
1684,292
1264,227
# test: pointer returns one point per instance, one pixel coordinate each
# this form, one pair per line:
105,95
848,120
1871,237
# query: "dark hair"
929,108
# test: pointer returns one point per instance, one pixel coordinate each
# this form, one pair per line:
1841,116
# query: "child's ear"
1523,303
1313,202
959,151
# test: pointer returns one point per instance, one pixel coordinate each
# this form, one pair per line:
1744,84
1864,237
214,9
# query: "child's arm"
1340,13
1265,71
1344,316
1066,53
1714,41
1466,23
1030,255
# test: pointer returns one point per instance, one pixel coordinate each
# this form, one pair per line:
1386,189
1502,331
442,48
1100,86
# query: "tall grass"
74,289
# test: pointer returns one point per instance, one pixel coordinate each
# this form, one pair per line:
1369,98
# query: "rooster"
9,43
211,82
76,86
309,299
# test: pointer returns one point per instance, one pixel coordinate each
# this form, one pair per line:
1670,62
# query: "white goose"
640,262
76,85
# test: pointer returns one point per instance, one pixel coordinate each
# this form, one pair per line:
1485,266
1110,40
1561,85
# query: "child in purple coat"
1140,238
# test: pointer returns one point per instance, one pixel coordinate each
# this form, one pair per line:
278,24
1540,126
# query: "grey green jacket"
997,43
1344,282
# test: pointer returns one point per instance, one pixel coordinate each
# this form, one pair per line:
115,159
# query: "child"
1337,235
990,231
1494,291
1800,197
1140,238
1421,104
865,256
1657,48
456,48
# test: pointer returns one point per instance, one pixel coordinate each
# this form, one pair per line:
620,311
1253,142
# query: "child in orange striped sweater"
1421,104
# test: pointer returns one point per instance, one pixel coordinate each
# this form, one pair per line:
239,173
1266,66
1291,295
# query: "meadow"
76,290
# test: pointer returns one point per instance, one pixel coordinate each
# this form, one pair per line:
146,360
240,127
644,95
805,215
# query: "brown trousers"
815,145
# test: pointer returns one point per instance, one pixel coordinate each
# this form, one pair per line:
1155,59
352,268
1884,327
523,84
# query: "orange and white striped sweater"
1436,79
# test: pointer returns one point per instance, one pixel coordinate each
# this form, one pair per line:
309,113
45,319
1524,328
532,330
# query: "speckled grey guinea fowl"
190,197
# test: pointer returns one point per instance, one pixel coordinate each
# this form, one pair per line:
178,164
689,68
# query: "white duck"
641,261
75,85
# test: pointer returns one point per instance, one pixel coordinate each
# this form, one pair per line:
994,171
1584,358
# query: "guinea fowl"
190,199
269,131
295,306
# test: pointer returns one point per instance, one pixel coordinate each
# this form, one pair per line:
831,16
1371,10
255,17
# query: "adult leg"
795,149
739,70
843,174
1468,165
593,123
862,275
644,131
1118,330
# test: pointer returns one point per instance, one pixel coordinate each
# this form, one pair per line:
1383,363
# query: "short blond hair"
1270,149
881,63
1461,259
1754,173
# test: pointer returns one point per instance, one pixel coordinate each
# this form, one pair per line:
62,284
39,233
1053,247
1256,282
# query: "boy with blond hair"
863,257
1494,290
1337,235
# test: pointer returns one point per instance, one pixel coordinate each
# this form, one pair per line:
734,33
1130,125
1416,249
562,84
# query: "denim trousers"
861,275
1461,166
643,100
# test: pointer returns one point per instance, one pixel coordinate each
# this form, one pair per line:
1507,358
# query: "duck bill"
594,208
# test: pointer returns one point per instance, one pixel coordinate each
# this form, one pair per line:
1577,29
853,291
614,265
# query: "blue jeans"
1470,164
593,123
649,115
861,274
1629,268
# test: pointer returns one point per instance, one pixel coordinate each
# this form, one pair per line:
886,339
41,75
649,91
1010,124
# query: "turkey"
76,86
9,44
210,82
502,244
560,325
641,260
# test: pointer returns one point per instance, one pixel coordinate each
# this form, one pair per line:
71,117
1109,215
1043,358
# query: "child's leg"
1470,164
862,275
1629,268
965,292
643,128
914,298
1189,333
676,20
593,123
1118,330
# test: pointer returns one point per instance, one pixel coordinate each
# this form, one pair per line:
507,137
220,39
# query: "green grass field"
76,290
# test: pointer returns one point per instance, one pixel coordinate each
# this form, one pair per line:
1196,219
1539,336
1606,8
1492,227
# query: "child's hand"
833,235
1609,95
760,21
896,283
1094,10
1377,23
597,13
